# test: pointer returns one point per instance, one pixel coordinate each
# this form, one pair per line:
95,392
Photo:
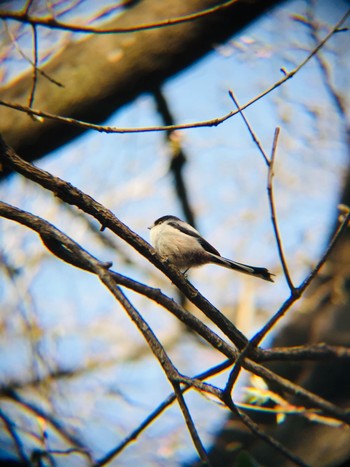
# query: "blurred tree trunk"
102,72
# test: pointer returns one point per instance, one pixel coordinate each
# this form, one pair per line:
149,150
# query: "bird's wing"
193,233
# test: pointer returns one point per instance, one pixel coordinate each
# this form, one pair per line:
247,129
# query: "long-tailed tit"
183,246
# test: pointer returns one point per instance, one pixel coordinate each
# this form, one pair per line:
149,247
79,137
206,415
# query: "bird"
184,247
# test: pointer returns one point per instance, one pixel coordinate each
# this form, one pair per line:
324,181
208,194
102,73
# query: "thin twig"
297,292
228,402
55,424
107,278
295,295
252,133
27,7
298,391
35,66
254,428
71,195
135,433
68,249
177,310
238,365
10,427
337,99
198,124
92,264
191,426
270,192
29,60
249,365
270,163
155,414
158,351
52,23
305,352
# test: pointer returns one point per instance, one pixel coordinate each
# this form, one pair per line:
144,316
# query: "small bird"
183,246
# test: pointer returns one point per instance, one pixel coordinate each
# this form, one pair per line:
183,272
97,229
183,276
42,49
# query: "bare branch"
10,427
333,410
199,124
297,292
191,426
155,414
305,352
338,101
301,393
254,427
50,419
71,252
53,23
248,356
35,66
27,59
72,195
171,372
252,134
271,198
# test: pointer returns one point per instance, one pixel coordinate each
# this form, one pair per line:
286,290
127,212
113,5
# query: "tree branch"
72,195
127,65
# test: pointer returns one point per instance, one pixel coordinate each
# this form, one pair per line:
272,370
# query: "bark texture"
100,73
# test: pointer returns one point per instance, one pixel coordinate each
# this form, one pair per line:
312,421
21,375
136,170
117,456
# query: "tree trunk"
102,72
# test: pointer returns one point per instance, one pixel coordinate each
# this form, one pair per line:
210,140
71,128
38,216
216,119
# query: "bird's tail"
263,273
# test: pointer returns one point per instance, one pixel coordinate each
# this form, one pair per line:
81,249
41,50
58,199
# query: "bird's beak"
149,228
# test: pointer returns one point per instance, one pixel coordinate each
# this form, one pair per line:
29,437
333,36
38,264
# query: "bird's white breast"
173,244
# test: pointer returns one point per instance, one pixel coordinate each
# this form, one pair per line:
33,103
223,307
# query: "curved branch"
126,66
71,195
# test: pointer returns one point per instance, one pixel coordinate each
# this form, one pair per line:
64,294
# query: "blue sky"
79,323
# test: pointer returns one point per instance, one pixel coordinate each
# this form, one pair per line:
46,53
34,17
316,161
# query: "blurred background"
67,348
